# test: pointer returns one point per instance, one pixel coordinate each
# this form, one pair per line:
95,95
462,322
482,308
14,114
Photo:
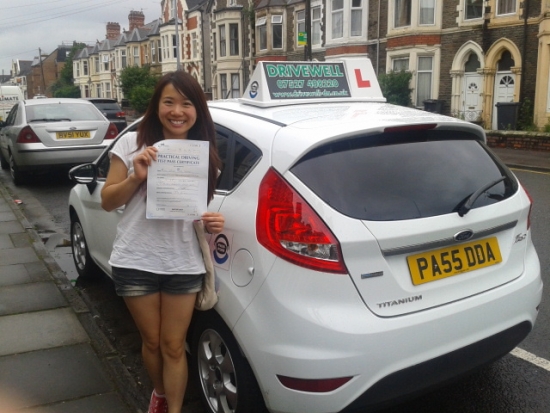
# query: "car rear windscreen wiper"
467,206
50,120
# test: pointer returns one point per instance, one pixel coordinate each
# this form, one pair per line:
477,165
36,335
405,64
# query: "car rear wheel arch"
224,378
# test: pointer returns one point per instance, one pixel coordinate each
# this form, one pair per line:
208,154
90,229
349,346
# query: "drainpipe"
524,51
378,42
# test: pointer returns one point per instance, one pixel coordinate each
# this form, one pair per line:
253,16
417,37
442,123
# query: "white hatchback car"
370,251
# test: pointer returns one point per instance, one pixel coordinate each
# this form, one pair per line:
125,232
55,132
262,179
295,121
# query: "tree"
395,87
138,84
64,87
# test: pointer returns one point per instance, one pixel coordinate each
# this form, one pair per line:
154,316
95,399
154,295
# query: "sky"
29,25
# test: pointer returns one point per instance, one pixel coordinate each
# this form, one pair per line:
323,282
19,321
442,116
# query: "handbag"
207,297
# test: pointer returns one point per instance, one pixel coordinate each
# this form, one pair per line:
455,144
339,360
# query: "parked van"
9,96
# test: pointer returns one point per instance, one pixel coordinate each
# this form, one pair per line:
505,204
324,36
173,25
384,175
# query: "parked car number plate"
80,134
446,262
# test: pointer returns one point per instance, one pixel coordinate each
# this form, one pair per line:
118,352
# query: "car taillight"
288,227
120,114
112,131
27,135
530,208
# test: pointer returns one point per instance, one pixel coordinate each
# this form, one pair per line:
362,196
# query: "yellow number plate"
446,262
81,134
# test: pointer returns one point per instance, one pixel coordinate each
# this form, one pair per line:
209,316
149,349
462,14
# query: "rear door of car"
395,202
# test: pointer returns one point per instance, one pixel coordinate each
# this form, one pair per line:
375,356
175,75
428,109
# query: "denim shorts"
132,283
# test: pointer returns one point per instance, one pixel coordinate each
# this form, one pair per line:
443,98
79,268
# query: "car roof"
44,101
100,100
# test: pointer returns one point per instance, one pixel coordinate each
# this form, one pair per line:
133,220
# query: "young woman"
157,264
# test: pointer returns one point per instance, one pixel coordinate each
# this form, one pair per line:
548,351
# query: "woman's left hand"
213,222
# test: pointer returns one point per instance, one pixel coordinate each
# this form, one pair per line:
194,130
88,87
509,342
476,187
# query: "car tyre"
85,266
225,380
16,175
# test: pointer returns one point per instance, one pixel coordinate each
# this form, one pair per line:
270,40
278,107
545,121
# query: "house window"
427,12
108,90
402,13
153,52
174,46
194,46
85,68
262,32
136,55
223,85
337,19
424,80
473,9
105,60
159,49
77,69
316,25
400,64
86,91
234,39
506,6
123,63
96,64
277,31
223,43
300,23
356,18
98,90
235,86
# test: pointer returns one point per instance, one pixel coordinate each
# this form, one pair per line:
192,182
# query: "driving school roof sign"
286,83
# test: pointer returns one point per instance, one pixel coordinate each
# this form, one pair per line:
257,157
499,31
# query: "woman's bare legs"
176,313
163,320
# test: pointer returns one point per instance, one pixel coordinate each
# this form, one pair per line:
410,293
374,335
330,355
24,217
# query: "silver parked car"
59,132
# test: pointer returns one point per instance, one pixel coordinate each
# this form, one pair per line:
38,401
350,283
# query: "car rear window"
405,175
55,112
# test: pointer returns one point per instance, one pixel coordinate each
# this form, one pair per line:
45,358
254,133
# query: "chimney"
136,19
113,31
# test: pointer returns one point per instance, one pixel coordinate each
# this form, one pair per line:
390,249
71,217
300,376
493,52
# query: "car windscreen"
55,112
406,175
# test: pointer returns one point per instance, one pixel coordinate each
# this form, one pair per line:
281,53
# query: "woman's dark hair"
150,128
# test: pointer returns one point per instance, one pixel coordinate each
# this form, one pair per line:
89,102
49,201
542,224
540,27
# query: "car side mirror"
84,174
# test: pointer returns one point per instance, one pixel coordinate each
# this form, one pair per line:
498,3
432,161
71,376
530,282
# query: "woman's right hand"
142,161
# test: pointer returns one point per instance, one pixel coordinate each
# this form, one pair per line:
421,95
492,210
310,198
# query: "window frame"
222,40
277,35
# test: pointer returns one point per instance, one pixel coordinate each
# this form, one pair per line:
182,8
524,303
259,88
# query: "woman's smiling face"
177,114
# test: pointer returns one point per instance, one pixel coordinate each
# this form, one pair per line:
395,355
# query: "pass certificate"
177,183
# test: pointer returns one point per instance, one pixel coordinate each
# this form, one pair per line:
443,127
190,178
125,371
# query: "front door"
472,96
504,91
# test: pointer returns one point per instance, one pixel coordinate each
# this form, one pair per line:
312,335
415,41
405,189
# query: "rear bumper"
297,329
35,158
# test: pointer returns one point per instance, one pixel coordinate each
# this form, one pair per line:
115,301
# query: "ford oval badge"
464,235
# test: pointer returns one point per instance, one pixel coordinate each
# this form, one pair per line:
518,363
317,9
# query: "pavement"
53,356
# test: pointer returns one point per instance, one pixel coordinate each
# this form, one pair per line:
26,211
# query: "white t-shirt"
161,246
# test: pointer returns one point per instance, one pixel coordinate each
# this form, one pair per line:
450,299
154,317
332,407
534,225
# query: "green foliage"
140,97
64,86
67,91
525,116
546,128
138,84
395,87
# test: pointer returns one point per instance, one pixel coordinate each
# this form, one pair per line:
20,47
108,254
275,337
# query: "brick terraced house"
468,57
